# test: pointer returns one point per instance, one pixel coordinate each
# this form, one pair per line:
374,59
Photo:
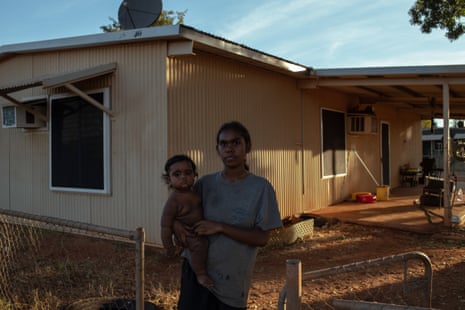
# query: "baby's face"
181,176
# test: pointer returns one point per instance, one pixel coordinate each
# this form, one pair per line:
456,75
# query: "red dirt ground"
69,268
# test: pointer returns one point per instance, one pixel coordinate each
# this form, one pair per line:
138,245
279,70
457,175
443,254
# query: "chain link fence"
25,276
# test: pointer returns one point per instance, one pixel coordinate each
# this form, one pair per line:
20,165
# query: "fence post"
293,284
140,245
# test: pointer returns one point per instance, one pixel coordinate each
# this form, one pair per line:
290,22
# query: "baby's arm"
167,220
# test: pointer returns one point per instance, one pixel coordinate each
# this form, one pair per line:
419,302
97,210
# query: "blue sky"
316,33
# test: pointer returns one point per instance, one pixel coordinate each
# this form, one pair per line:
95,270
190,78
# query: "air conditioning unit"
16,117
362,124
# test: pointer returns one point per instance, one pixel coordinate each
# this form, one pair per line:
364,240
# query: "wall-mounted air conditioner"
362,124
16,117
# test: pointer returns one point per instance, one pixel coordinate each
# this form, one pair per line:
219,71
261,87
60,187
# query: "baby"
184,205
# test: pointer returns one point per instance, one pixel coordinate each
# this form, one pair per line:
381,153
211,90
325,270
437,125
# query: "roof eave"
391,71
172,32
108,38
207,41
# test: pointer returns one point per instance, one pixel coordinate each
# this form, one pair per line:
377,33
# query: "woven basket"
290,234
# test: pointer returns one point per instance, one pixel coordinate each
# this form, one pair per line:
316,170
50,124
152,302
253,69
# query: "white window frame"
106,144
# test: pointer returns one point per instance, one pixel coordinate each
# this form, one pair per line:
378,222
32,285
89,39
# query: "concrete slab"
399,212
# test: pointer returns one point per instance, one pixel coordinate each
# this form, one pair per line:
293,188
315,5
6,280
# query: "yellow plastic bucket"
382,192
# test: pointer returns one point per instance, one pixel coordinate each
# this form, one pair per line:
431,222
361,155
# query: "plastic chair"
433,192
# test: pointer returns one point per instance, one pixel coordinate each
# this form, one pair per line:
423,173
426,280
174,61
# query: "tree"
444,14
166,18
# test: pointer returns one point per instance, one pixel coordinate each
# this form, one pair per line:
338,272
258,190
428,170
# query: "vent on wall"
362,124
15,117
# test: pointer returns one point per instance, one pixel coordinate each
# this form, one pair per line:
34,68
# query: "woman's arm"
254,236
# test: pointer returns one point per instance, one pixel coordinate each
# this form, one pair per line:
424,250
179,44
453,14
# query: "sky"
315,33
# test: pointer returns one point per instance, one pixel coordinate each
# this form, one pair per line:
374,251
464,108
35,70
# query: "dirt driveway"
67,268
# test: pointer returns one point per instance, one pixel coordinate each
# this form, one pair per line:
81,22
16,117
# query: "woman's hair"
176,159
239,128
243,132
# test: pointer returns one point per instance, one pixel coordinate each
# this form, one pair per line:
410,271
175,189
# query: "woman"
240,209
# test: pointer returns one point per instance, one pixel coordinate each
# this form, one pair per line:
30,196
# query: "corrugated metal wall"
205,91
319,192
138,139
405,143
165,106
5,141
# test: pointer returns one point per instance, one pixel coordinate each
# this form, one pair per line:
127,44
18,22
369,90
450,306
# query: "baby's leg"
199,250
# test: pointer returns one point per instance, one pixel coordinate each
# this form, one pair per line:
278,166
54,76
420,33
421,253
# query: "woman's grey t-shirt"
247,203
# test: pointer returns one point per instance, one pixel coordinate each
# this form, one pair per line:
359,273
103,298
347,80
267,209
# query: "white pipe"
366,168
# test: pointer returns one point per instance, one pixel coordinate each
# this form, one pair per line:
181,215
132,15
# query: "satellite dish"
138,13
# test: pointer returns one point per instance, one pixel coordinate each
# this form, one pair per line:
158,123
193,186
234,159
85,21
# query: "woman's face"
231,148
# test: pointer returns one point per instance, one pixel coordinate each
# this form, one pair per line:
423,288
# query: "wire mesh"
48,263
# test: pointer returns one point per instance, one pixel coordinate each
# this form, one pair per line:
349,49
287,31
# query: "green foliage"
166,18
170,18
443,14
114,26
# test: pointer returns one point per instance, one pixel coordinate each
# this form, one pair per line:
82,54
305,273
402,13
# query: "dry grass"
62,269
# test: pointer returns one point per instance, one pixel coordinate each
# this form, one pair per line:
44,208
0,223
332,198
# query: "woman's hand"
181,232
204,227
253,236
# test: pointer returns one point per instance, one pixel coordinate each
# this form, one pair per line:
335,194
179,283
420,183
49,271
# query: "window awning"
54,81
73,77
5,90
459,136
431,137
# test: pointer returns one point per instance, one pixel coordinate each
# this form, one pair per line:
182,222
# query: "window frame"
106,143
336,172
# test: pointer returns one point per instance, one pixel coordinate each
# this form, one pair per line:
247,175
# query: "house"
88,122
433,148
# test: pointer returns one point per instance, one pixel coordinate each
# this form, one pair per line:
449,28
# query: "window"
79,144
333,143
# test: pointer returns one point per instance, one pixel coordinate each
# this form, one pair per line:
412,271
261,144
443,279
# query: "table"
410,176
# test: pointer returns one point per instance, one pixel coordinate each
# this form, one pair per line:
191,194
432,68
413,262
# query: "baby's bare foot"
205,280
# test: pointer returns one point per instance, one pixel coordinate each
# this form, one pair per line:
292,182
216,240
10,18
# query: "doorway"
385,154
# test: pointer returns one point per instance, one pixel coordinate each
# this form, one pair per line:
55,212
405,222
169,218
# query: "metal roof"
411,87
202,41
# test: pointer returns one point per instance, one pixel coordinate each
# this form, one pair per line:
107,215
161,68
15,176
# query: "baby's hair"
176,159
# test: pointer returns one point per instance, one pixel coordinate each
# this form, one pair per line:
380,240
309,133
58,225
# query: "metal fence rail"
137,236
291,293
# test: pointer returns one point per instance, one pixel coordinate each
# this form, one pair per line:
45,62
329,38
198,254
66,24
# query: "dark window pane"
77,143
334,144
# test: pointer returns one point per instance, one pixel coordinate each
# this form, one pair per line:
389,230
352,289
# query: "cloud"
298,28
268,17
